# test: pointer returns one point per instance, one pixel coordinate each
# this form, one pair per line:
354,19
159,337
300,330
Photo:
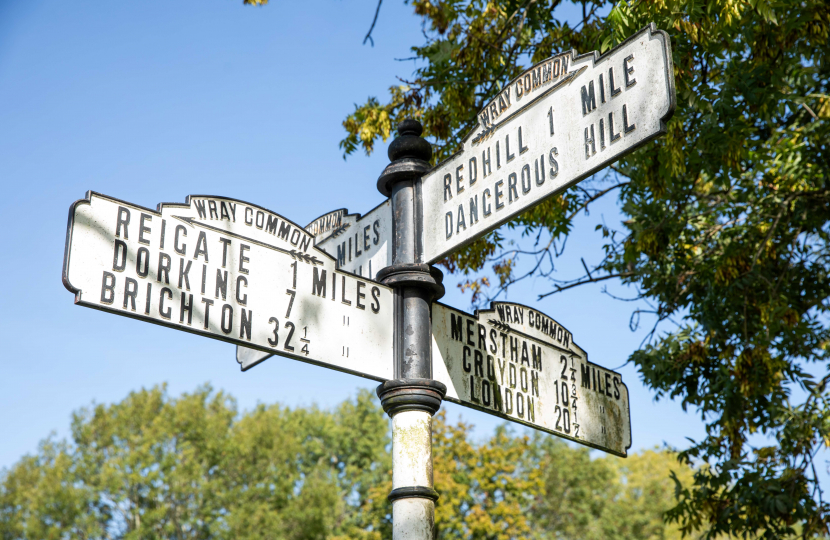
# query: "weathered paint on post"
412,449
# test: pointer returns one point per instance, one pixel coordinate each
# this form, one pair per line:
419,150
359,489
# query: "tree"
156,467
726,229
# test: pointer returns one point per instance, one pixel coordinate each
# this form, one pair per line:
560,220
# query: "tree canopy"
193,467
724,230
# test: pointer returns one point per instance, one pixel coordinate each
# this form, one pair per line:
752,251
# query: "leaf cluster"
725,224
192,467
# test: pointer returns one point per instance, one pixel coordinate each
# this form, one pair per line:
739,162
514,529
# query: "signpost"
231,271
361,245
519,364
353,293
561,121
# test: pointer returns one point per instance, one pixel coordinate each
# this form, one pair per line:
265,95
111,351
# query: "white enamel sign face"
361,245
519,364
561,121
232,271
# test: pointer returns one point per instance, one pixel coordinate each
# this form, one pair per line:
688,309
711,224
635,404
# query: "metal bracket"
411,395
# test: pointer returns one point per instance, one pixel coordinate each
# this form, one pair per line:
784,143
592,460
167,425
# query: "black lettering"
180,250
143,229
341,255
242,258
470,332
200,208
207,304
107,288
614,91
119,256
318,283
366,244
586,375
201,246
357,250
360,295
226,323
589,100
164,268
628,128
448,223
375,300
554,165
245,326
225,243
244,299
221,284
612,137
142,262
456,324
447,187
473,170
465,362
274,342
522,148
482,338
512,181
130,292
499,195
343,292
478,362
212,209
487,209
188,307
608,384
616,388
285,230
183,273
376,230
123,219
537,356
485,164
526,179
510,157
165,313
590,144
628,70
493,344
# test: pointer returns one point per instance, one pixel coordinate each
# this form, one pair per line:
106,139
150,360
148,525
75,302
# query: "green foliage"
725,230
155,467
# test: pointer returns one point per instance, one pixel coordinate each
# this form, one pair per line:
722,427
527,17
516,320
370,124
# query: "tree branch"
371,28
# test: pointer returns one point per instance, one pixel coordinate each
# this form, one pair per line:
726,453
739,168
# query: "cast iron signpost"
356,293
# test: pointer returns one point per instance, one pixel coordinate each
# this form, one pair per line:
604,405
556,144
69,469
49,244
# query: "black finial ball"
408,143
410,127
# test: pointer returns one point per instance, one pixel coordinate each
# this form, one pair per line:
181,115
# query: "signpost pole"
412,397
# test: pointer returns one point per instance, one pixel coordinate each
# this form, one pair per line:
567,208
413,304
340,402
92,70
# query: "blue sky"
151,101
